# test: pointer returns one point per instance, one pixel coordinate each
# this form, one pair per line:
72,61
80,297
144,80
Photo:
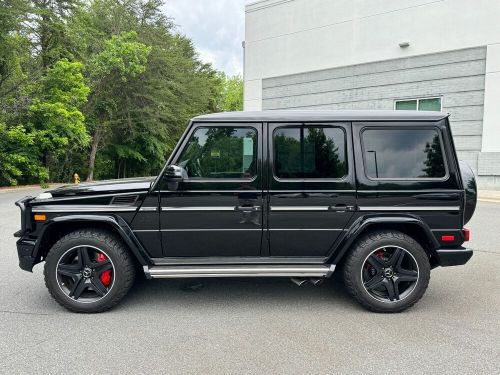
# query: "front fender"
116,222
363,223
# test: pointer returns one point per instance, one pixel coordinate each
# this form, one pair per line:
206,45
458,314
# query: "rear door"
311,187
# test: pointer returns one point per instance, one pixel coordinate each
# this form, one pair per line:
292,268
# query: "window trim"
430,127
418,99
302,125
242,125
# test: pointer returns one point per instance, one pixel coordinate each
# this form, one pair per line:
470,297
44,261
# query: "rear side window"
309,152
403,154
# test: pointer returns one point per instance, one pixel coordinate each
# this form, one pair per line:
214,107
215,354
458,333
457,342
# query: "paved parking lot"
255,326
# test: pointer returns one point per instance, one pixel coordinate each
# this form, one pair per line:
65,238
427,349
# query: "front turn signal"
40,217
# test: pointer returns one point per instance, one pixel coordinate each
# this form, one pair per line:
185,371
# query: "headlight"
44,196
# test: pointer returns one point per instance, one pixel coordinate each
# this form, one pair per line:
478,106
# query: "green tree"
231,95
55,113
122,59
15,157
102,87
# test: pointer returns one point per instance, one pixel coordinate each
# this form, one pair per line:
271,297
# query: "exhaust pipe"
298,281
316,282
301,282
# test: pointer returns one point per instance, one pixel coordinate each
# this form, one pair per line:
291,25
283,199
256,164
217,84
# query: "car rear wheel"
387,271
89,271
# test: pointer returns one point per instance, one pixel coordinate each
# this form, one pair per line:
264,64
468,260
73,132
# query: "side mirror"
174,175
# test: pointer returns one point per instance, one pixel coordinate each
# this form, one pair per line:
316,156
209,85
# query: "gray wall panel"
466,127
469,54
460,69
394,91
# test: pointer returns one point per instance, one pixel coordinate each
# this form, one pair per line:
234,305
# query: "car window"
221,152
309,152
403,153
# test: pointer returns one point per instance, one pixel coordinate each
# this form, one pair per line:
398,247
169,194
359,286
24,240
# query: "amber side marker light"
40,217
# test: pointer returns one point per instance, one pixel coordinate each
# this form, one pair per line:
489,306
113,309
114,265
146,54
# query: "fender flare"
118,224
362,223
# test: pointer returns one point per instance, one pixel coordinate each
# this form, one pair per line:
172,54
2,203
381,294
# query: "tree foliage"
103,88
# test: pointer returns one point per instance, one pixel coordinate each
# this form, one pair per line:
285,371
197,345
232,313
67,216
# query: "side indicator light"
466,234
447,238
40,217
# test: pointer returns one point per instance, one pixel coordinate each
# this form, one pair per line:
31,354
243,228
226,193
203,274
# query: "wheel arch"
410,225
59,226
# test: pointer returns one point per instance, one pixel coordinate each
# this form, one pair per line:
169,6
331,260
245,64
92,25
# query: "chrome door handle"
247,208
342,208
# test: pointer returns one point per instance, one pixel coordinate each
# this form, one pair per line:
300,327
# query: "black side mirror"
174,175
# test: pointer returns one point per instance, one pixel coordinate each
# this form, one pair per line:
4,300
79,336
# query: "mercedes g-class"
377,196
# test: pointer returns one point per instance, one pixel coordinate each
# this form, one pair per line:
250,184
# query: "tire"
374,278
75,267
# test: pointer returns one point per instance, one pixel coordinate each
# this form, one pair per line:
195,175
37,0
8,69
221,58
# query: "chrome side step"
251,270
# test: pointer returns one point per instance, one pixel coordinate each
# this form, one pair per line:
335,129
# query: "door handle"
247,208
341,207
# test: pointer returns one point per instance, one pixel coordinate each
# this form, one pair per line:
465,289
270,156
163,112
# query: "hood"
104,187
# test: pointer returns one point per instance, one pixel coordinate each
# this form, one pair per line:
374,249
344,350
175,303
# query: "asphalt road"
263,326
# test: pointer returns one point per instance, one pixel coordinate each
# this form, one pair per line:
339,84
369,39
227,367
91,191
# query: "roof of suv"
314,116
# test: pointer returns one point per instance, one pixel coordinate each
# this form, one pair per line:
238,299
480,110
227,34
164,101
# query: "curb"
489,200
28,187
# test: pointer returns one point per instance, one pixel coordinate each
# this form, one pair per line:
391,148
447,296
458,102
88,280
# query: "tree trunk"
93,152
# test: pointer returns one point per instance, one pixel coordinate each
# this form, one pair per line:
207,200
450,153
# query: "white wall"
491,117
292,36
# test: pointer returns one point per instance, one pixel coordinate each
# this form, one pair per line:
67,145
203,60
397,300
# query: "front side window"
309,152
403,153
221,152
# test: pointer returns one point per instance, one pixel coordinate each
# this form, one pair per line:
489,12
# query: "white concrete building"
383,54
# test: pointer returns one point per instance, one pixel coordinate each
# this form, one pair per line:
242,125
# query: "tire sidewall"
50,272
411,247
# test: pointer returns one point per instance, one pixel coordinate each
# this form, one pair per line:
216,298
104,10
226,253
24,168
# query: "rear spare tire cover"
470,187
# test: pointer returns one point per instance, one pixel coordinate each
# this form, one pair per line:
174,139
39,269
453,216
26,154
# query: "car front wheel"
89,271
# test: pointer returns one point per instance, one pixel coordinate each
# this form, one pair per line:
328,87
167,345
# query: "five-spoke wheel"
386,271
389,273
89,270
85,273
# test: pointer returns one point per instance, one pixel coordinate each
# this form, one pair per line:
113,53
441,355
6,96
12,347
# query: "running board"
252,270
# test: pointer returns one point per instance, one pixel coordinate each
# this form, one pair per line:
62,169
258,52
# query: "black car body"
275,193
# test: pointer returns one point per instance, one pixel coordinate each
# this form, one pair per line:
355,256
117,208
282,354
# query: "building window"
399,154
421,104
309,152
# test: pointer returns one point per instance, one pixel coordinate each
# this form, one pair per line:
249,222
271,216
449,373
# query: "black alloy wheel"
389,274
85,273
89,270
386,271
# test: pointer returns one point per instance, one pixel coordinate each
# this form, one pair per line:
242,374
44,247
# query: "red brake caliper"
105,277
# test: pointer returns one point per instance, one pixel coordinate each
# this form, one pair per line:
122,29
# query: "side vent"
124,200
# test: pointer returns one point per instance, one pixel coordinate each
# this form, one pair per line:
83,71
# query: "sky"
217,28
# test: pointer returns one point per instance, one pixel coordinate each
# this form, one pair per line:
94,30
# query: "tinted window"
221,152
403,153
306,152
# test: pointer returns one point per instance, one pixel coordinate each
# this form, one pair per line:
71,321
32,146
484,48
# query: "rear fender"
370,222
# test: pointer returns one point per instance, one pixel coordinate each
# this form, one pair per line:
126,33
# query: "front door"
311,187
217,210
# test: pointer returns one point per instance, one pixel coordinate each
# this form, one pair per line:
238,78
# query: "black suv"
377,196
